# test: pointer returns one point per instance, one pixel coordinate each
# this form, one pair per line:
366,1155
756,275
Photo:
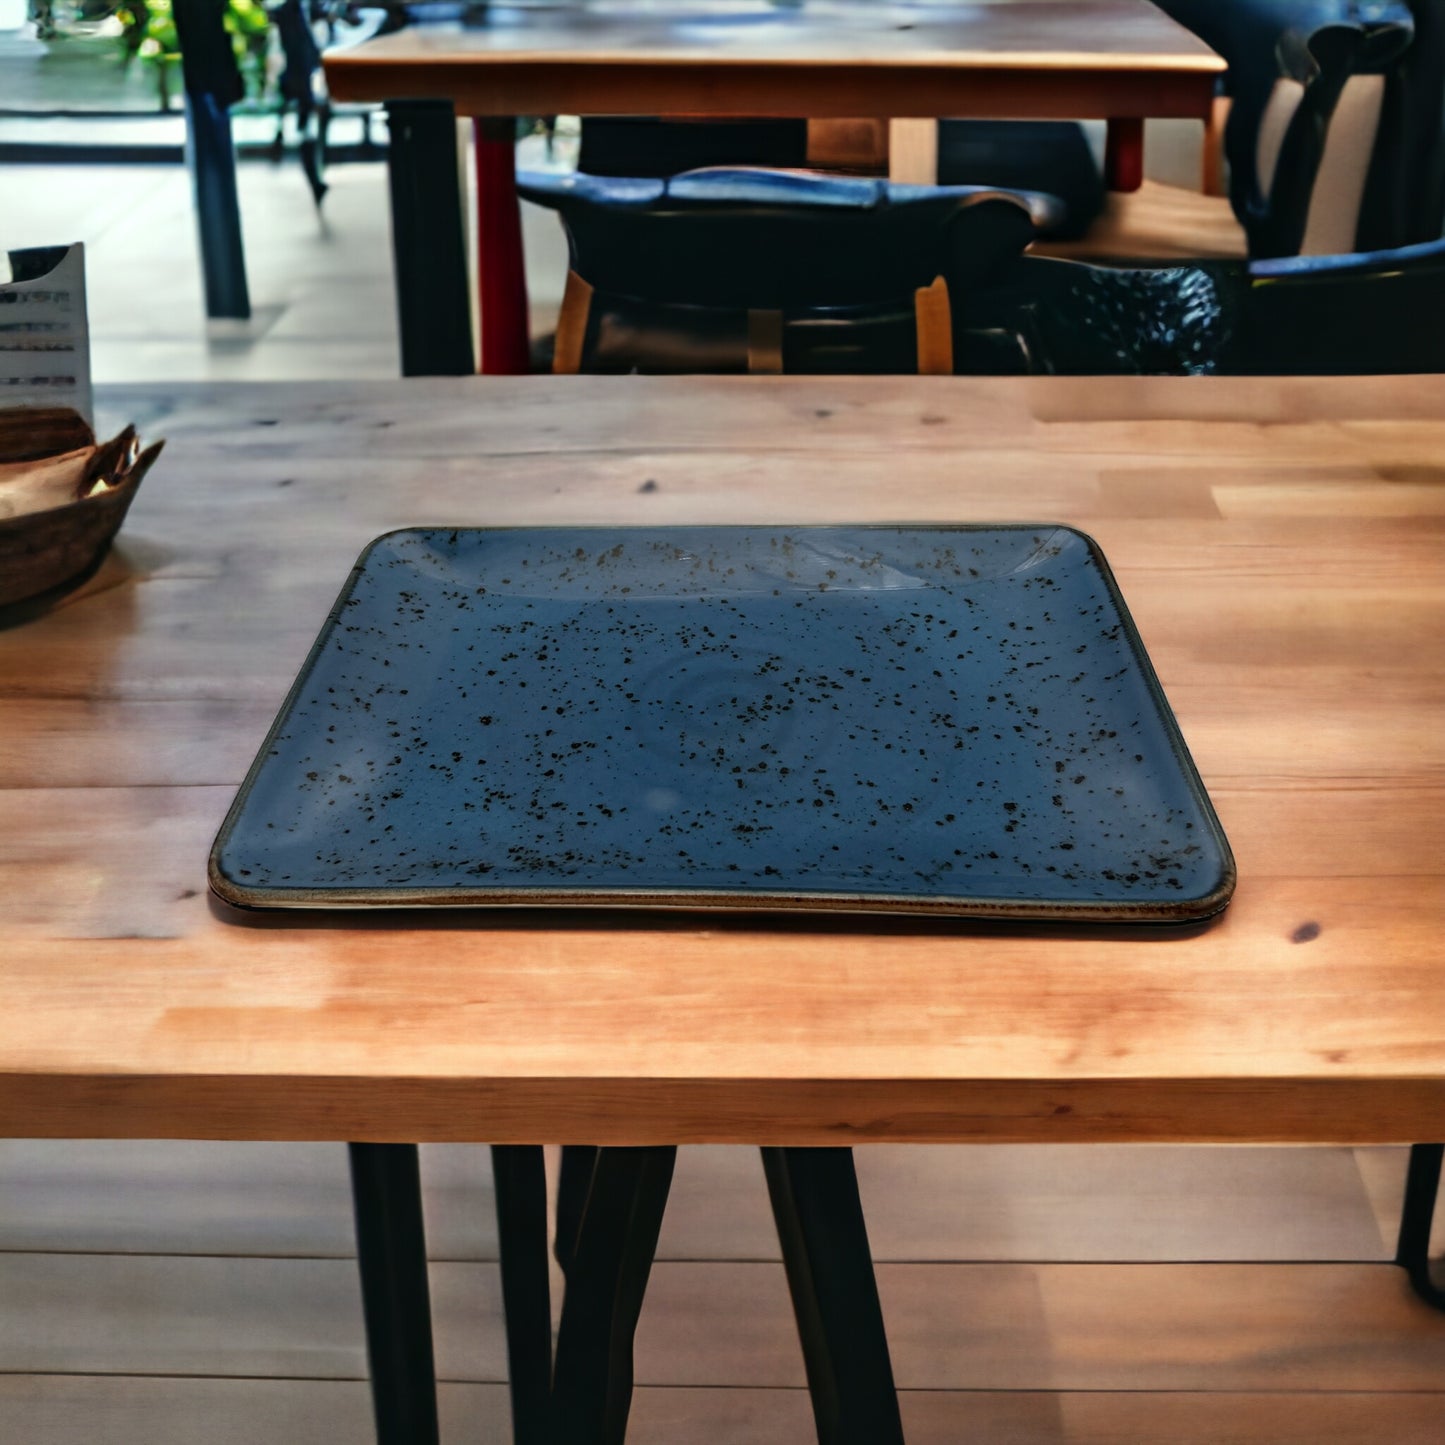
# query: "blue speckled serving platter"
952,720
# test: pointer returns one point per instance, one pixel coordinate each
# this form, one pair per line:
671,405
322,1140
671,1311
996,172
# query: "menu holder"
44,331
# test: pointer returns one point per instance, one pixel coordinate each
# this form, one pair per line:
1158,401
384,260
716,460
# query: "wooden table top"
1038,58
1279,544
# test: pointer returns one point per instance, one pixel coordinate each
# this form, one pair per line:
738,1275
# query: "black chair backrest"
1318,43
1405,194
738,237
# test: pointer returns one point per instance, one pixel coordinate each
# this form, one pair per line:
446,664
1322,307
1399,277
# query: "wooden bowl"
59,546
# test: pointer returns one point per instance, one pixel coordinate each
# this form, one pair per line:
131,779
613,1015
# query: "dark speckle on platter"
923,719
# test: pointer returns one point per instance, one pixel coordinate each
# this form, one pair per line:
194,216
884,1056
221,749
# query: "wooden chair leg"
819,1218
934,320
1213,170
391,1254
520,1178
1422,1187
571,339
765,342
606,1281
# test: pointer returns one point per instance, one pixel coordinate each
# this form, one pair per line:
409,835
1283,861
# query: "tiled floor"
320,282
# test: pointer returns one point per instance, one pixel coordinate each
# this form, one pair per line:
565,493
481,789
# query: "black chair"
298,84
1051,157
737,270
1321,315
1319,45
1404,201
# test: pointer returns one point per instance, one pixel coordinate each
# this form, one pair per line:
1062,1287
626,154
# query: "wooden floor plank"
122,1410
1141,1203
1082,1327
1383,1172
983,1326
174,1197
126,1410
1051,1202
1161,1327
937,1202
111,1410
275,1318
204,1197
1002,1418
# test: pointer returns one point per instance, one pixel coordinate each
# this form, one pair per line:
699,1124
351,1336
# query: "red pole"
501,271
1124,153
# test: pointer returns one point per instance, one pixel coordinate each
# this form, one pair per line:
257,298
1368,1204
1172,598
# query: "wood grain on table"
1065,58
1278,543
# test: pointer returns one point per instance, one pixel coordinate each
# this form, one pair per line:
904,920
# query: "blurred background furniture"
1310,315
1332,139
213,84
1404,201
1045,157
1119,60
768,271
1296,179
754,271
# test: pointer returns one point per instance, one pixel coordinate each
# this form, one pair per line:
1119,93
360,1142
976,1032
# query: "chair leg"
570,343
1212,181
824,1238
391,1253
519,1175
1412,1254
606,1281
933,320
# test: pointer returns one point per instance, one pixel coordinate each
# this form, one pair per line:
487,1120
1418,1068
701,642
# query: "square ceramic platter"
945,720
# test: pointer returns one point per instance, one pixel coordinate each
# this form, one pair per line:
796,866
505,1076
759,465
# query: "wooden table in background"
1115,60
1279,544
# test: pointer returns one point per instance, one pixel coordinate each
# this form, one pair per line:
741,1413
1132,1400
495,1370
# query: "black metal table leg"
391,1252
824,1238
218,208
1412,1254
432,292
213,84
578,1162
606,1281
519,1173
